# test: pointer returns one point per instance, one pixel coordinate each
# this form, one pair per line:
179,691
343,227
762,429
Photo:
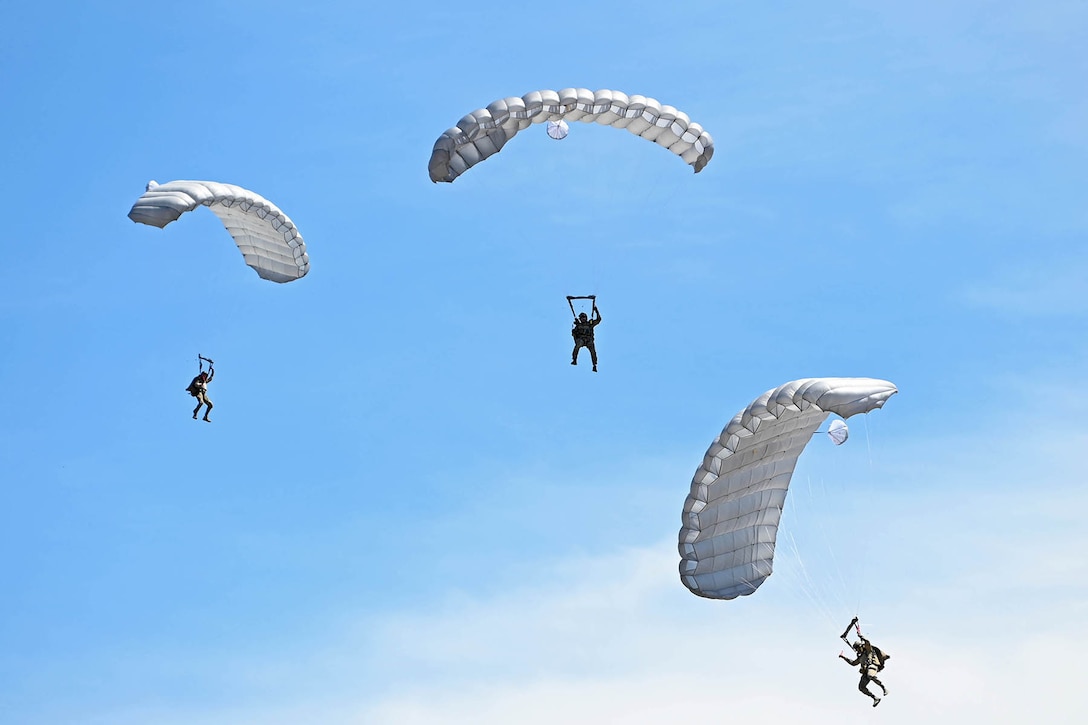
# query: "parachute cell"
267,238
485,131
731,515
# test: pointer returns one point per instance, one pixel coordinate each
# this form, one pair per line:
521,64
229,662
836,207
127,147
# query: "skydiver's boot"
594,368
876,701
207,419
573,362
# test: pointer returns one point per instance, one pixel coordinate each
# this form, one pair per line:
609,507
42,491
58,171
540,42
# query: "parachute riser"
571,298
201,360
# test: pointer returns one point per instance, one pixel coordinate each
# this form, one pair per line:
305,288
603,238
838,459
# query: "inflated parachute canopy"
267,238
485,131
731,515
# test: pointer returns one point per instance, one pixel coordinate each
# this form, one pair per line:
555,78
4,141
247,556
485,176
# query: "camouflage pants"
867,676
588,344
202,399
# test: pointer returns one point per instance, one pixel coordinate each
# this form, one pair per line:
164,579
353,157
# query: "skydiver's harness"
872,657
198,386
582,331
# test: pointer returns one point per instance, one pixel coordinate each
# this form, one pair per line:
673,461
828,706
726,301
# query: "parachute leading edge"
731,515
267,238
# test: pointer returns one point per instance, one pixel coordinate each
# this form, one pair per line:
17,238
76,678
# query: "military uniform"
583,337
198,388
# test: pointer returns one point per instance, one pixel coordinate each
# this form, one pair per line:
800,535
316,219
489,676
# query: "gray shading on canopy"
485,131
731,515
267,238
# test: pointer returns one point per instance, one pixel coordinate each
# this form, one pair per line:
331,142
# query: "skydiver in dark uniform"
583,335
198,388
871,660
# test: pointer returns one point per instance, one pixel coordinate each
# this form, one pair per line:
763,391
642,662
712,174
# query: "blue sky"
410,508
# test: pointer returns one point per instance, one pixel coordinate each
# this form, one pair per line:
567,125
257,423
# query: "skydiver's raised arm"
847,630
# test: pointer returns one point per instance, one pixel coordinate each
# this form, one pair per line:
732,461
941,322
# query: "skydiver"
583,335
198,388
870,658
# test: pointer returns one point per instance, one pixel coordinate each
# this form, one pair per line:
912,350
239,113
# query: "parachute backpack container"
731,515
485,131
268,240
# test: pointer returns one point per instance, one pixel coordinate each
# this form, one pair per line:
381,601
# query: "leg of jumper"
208,410
592,352
199,402
862,686
879,684
574,353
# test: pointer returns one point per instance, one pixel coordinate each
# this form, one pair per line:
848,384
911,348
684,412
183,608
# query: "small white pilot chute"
838,432
558,130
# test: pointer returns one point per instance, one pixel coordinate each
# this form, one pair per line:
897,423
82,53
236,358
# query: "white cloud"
617,639
975,582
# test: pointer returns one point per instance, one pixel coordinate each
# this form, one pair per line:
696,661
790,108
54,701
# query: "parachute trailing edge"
485,131
731,515
268,240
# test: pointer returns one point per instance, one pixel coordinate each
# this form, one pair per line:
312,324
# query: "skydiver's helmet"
582,316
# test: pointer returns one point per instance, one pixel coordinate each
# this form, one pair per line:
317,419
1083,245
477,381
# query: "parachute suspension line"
665,193
830,596
867,493
868,443
842,589
806,584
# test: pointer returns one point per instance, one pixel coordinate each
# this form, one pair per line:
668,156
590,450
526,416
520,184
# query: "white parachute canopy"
558,130
267,238
838,432
485,131
731,514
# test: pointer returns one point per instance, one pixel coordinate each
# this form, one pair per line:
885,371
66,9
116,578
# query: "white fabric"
558,130
838,432
267,238
731,514
485,131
